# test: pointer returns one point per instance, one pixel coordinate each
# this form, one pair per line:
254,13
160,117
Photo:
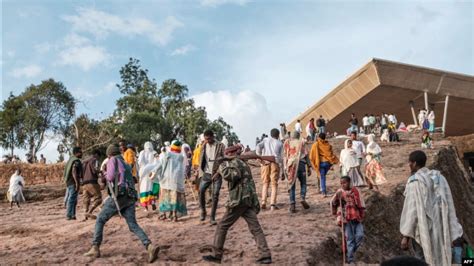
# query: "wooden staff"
192,190
342,232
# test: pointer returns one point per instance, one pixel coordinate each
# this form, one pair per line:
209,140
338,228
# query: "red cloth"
352,204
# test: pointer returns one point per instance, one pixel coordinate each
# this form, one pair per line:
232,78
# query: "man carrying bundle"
242,202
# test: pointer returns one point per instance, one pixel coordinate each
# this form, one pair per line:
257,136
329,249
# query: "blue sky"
256,63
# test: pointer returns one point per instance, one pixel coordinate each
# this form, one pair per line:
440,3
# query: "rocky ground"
39,232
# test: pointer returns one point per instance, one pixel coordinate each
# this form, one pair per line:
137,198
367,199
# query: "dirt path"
39,233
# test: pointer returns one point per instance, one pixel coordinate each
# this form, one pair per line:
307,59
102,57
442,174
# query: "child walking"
350,214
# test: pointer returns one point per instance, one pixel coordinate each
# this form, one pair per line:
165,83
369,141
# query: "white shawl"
169,170
429,216
146,156
348,157
15,187
373,147
431,117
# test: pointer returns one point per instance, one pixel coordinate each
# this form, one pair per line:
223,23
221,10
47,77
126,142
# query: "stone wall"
34,174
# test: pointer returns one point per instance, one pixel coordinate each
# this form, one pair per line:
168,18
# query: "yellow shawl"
321,151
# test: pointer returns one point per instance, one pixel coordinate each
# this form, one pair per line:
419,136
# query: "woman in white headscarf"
170,172
431,120
149,186
373,170
349,164
15,191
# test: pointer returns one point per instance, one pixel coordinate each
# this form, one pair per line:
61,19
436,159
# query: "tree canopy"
145,112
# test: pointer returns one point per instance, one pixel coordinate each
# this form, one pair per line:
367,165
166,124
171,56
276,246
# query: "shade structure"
383,86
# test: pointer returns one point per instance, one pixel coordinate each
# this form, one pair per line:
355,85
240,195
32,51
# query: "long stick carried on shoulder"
246,156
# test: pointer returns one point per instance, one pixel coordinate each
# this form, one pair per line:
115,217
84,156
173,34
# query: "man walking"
122,199
322,158
242,202
428,218
354,123
210,151
296,161
359,147
297,127
321,124
271,170
90,185
366,124
72,176
311,130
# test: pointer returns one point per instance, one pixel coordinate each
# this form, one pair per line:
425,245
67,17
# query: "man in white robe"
428,218
15,190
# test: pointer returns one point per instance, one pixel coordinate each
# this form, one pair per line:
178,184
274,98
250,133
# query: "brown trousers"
91,192
229,218
270,173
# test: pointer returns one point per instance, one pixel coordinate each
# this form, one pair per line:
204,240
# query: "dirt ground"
39,232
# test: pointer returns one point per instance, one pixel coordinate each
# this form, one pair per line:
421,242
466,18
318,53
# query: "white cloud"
245,110
29,71
74,39
86,57
183,50
101,24
215,3
84,94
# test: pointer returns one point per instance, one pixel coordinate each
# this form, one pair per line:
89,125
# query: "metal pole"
445,114
413,113
426,101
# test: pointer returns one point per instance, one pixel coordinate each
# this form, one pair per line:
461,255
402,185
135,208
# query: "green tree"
145,112
11,124
90,134
48,108
221,129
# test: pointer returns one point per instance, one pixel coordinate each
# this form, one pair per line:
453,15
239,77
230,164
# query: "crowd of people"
161,180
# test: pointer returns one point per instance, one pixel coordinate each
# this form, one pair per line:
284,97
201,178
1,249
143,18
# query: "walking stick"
192,190
342,232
